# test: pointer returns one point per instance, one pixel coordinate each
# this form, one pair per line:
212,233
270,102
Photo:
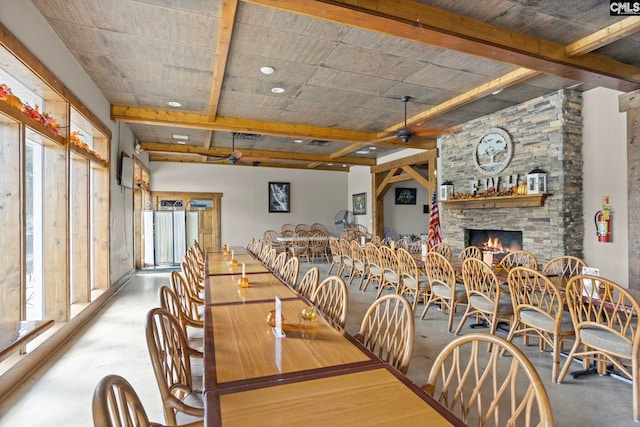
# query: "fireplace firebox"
494,243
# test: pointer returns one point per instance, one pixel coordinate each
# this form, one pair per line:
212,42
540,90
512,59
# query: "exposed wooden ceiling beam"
160,158
160,147
478,92
225,30
605,36
288,130
207,140
424,24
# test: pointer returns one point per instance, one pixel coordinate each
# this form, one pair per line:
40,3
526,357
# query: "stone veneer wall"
546,132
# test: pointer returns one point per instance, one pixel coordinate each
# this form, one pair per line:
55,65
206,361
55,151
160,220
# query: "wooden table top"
222,266
262,287
374,395
240,347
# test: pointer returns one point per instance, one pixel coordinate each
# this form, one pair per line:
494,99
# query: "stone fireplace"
546,133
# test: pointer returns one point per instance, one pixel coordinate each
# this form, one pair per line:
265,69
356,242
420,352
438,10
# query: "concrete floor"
60,393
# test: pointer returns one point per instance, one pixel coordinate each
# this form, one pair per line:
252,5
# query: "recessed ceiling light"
344,166
495,92
277,90
181,137
297,141
181,142
373,148
174,104
267,70
362,152
329,164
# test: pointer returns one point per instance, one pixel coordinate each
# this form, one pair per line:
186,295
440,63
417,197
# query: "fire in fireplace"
497,242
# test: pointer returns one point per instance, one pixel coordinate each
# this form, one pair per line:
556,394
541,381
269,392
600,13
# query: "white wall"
605,174
316,196
29,26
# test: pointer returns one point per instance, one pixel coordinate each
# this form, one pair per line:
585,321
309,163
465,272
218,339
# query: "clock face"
492,153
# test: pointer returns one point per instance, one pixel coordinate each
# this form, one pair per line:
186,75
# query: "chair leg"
464,319
556,357
636,387
426,308
567,363
452,313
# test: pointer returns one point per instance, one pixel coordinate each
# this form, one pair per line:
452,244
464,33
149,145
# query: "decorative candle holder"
227,255
243,282
234,263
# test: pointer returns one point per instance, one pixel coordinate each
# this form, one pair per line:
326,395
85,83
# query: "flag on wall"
434,236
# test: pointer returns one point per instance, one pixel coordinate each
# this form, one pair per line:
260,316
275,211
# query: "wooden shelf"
524,201
31,122
88,155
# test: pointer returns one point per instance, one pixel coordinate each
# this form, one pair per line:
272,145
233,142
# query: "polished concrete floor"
60,393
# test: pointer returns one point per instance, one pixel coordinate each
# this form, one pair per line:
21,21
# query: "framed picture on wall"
360,204
279,196
405,196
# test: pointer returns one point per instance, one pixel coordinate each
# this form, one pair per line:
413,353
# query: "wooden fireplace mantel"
523,201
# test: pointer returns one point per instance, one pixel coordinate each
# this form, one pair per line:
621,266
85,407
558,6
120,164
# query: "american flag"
434,222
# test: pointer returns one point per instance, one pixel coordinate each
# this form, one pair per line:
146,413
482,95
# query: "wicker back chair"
388,329
116,404
486,389
171,361
604,316
332,299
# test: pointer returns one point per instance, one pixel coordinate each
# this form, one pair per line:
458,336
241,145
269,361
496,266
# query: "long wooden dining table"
317,375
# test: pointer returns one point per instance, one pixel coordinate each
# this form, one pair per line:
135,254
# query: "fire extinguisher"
603,225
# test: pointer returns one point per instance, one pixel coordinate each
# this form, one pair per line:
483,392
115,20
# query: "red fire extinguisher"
603,225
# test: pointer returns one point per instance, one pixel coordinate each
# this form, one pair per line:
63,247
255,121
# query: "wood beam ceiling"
225,31
289,130
424,24
161,158
160,147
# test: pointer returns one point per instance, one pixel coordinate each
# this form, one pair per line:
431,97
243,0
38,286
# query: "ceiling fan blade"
215,159
383,139
255,159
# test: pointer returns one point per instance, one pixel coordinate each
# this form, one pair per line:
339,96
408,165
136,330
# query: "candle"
243,269
232,257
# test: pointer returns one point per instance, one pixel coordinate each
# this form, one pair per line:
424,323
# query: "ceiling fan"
236,156
405,133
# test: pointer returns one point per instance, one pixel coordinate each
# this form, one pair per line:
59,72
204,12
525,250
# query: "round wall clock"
492,153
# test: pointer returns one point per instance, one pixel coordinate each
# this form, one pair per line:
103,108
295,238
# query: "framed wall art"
279,196
360,204
405,196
